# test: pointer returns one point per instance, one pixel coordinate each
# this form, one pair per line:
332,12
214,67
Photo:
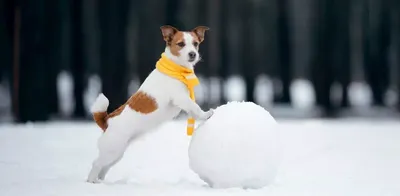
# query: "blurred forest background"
298,58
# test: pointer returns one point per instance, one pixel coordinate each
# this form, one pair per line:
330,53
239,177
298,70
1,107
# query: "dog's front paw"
208,114
94,181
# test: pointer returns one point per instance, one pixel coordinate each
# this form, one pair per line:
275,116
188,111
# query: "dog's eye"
195,44
181,44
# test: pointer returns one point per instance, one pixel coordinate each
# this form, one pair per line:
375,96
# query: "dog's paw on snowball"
210,113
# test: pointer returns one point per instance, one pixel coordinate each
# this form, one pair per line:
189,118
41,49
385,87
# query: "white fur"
171,96
100,104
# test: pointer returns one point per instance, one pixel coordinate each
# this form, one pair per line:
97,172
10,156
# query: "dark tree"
151,43
342,51
113,26
247,41
222,70
32,87
376,44
53,38
172,10
233,35
213,44
6,36
396,21
284,50
8,58
323,70
77,64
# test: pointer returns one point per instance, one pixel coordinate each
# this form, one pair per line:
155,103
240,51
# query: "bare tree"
113,17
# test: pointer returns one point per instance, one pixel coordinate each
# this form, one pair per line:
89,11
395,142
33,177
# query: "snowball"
237,147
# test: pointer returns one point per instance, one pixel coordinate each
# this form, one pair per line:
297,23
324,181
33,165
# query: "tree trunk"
376,49
247,62
151,43
396,12
7,54
77,56
53,37
113,26
322,66
284,50
343,47
32,91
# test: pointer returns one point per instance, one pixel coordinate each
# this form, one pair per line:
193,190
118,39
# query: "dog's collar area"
183,74
173,66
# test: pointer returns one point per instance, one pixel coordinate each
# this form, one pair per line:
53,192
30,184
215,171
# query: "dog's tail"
99,111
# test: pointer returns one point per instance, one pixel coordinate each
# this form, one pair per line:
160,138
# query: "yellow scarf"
183,74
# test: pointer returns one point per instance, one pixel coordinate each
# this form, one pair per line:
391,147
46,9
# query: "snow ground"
346,157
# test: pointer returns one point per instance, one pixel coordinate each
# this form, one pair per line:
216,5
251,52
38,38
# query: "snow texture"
100,104
238,147
330,158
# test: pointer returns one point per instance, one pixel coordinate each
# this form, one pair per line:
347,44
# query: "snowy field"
321,158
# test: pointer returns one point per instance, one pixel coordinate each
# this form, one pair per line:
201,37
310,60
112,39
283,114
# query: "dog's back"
151,105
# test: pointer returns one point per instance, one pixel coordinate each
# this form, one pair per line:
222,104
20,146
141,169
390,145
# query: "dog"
160,98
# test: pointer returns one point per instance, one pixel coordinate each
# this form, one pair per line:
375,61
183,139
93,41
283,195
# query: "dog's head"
183,46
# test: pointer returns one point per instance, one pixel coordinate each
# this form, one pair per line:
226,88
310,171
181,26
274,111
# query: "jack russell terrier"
165,92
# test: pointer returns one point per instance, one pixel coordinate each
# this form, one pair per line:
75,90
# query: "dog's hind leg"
95,171
105,169
111,151
103,172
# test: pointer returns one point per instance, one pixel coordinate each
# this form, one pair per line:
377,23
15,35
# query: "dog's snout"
192,55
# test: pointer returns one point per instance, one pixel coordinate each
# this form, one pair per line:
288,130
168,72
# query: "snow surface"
237,147
346,158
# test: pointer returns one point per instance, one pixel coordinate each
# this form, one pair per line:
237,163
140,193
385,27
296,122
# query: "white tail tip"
100,104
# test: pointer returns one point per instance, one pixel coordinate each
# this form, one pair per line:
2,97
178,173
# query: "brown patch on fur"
101,119
200,31
168,32
140,102
174,47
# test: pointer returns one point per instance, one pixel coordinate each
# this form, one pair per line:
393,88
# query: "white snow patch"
92,91
215,89
360,94
235,89
264,90
5,95
336,93
391,97
330,158
65,89
133,86
201,91
302,94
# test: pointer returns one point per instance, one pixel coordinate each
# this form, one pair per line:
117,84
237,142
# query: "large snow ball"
237,147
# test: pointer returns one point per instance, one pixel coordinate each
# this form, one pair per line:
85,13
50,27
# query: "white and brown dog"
160,98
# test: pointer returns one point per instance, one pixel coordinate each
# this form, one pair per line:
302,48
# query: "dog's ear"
200,31
168,32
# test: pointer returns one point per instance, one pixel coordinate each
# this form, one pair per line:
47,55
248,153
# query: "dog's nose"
192,55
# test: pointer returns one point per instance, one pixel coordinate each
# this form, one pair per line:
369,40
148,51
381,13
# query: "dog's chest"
171,111
163,88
